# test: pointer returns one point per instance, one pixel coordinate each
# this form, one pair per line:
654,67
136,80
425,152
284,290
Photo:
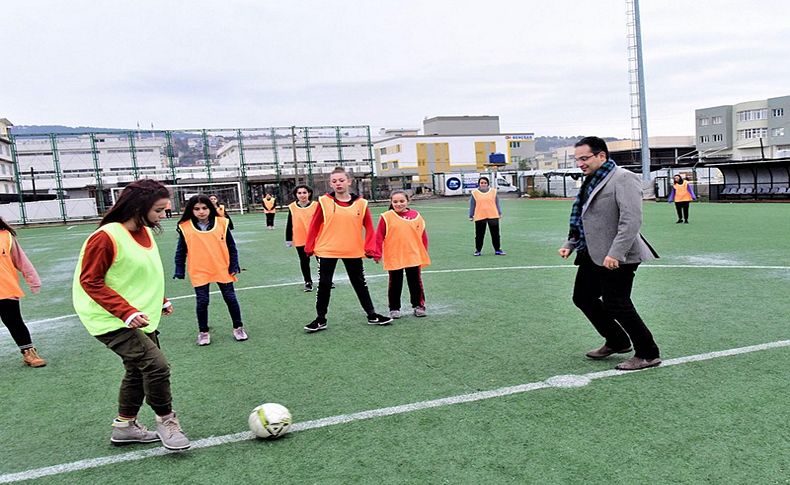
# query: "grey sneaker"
203,338
394,313
419,311
239,334
169,430
125,432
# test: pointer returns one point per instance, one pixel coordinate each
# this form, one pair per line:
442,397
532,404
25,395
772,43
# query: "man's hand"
564,252
610,263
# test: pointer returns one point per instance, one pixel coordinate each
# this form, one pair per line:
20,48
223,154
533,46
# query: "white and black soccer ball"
270,420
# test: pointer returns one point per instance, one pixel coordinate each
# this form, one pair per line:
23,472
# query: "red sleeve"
370,234
381,233
98,257
425,239
312,231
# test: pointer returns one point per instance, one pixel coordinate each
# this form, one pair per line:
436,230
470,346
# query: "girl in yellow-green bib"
118,292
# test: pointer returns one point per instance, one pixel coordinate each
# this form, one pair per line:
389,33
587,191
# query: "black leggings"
682,209
304,264
480,233
12,318
356,275
270,220
416,292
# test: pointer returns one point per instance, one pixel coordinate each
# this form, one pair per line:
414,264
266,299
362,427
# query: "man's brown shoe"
605,351
30,357
637,363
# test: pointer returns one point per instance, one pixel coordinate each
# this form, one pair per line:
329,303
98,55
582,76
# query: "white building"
263,153
7,183
420,156
75,158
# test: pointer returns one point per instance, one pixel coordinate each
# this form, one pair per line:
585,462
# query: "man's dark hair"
597,145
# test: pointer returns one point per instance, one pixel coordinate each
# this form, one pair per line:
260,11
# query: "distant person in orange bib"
12,262
335,234
484,210
402,244
221,211
270,209
682,194
207,249
300,213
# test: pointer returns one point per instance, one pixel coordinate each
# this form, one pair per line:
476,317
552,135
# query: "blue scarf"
590,182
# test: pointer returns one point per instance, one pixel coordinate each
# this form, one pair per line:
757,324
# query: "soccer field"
476,392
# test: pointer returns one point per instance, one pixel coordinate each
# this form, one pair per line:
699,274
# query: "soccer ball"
270,420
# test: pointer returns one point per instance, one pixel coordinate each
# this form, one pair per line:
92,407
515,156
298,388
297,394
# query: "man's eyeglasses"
585,158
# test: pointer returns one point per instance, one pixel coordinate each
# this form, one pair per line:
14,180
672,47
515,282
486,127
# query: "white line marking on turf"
460,270
560,381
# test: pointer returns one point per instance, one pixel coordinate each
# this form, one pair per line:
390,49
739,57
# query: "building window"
718,137
384,166
704,121
778,112
753,115
752,133
704,139
717,120
778,131
515,144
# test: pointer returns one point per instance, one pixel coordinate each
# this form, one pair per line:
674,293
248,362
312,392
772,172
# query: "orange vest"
485,205
403,247
341,233
269,205
300,221
221,210
9,275
207,253
682,193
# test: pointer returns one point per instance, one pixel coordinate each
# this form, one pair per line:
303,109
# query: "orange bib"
682,193
485,205
221,210
300,221
341,233
269,205
9,276
403,247
207,253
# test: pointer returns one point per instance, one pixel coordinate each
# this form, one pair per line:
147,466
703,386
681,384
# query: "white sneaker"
124,432
394,313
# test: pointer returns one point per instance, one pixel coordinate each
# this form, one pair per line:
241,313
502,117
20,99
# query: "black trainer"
376,319
308,287
315,326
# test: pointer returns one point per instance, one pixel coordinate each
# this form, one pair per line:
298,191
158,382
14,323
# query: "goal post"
228,193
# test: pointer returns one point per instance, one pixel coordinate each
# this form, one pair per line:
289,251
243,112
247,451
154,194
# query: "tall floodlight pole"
637,80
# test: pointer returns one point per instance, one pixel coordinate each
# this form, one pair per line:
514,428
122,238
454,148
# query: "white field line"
461,270
555,381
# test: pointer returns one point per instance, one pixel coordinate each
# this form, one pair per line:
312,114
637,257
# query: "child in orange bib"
484,210
401,241
270,209
12,262
335,233
206,246
300,213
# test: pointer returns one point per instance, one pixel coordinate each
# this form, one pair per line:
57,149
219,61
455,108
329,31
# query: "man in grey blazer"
605,222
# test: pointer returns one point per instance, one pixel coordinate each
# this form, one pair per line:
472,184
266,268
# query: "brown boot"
605,351
30,357
638,363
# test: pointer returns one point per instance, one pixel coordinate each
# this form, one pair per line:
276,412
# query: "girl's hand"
289,244
139,321
167,310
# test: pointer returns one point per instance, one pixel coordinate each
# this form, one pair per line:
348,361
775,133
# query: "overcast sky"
550,67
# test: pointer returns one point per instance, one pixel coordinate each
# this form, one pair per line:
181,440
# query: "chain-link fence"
65,177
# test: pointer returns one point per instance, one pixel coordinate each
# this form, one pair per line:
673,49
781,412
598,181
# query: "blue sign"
453,183
496,158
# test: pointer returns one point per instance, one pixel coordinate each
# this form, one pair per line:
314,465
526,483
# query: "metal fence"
63,177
